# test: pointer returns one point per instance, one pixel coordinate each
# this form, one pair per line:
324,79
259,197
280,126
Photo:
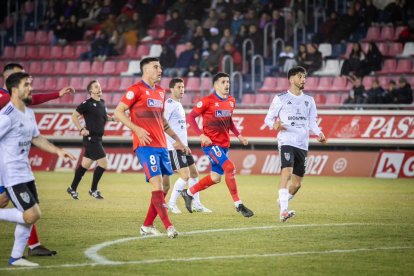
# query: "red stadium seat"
334,99
42,37
62,82
86,81
319,99
389,66
282,84
107,97
72,67
398,31
121,66
130,51
67,100
373,33
84,68
127,82
383,48
32,52
116,98
367,82
192,84
311,84
248,99
387,33
96,68
59,68
76,82
44,52
80,97
179,49
384,80
263,99
56,52
143,50
29,37
8,52
103,81
38,84
340,84
395,49
69,52
158,21
205,84
35,68
325,84
165,82
404,66
269,85
80,49
50,84
20,52
109,68
113,84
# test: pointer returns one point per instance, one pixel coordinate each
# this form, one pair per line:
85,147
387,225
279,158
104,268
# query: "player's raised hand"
243,140
321,138
278,125
143,136
205,141
66,90
64,154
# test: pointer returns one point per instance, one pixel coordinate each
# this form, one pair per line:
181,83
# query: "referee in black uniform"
93,111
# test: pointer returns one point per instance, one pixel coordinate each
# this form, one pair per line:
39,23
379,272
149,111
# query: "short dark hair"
174,81
14,80
296,70
89,86
145,61
11,66
220,75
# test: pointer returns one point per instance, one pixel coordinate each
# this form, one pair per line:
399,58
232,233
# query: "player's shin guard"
79,173
283,199
21,235
230,171
178,187
191,183
97,174
158,202
33,238
202,185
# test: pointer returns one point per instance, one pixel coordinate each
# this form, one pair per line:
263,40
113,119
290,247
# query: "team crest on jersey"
306,103
154,168
25,197
231,104
199,104
130,95
223,113
154,103
287,156
161,95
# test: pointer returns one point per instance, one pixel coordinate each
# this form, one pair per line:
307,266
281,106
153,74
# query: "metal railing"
256,58
227,63
246,42
236,75
274,49
318,12
203,76
298,26
265,37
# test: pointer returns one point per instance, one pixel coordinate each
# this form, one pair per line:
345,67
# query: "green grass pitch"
344,226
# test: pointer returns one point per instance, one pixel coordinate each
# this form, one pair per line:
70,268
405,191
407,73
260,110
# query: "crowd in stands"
214,29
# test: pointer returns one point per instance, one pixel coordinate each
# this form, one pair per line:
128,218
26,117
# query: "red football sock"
202,184
159,204
33,238
230,171
151,214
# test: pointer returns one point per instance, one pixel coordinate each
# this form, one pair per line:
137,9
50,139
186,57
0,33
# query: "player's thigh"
155,161
216,177
184,173
86,162
287,157
32,214
103,162
4,199
178,159
299,166
24,197
156,182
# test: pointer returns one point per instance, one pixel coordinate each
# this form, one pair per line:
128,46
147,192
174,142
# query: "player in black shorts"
93,111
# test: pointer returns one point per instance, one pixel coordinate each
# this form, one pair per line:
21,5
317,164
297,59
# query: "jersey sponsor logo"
130,95
154,168
223,113
25,143
25,197
154,103
199,104
297,118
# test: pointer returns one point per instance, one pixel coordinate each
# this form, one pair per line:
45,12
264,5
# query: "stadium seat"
367,82
69,52
263,99
130,51
388,67
68,100
44,52
155,50
341,84
334,98
59,67
56,52
116,98
76,82
109,67
126,82
143,50
38,84
395,49
179,49
80,49
398,31
338,50
80,97
107,97
20,52
153,33
269,85
113,84
50,84
84,68
384,80
387,33
72,67
158,21
32,52
383,48
312,84
86,81
96,68
325,49
319,99
330,67
8,52
133,68
103,81
282,84
121,66
35,68
248,99
192,84
410,80
325,84
404,66
165,83
205,85
373,33
408,49
29,37
62,82
187,99
42,37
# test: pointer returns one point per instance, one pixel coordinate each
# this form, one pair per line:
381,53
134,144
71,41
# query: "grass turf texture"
376,213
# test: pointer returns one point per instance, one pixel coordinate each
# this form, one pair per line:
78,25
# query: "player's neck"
19,104
96,97
148,82
222,96
295,91
175,98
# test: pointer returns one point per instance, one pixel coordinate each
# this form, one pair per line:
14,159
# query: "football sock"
283,199
80,171
12,215
151,214
237,203
97,174
290,196
21,235
178,187
158,202
191,183
201,185
229,171
33,238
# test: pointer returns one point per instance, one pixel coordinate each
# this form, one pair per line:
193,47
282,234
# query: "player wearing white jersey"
182,163
293,114
18,130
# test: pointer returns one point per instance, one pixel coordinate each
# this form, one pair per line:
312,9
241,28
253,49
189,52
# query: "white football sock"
12,215
21,236
290,196
178,187
237,203
283,199
196,196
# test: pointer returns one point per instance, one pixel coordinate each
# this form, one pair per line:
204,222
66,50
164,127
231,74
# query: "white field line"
101,261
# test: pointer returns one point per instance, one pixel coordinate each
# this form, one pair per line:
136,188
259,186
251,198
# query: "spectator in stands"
183,62
240,37
220,5
214,36
369,13
138,26
372,62
198,39
146,13
106,10
396,13
74,29
389,96
204,66
279,22
404,92
257,37
298,7
167,57
51,16
124,23
313,59
210,21
93,16
375,93
59,32
174,29
406,35
347,24
265,18
68,8
230,50
129,8
237,21
227,37
194,68
181,6
357,95
353,64
99,48
286,59
301,55
250,18
109,24
214,58
223,21
116,44
326,30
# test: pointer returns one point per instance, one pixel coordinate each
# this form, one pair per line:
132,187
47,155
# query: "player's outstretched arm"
120,115
42,143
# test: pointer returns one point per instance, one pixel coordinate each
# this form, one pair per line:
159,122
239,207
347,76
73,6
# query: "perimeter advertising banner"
341,127
325,163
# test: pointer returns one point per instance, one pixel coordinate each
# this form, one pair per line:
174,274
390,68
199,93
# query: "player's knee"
229,167
31,217
193,175
4,200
